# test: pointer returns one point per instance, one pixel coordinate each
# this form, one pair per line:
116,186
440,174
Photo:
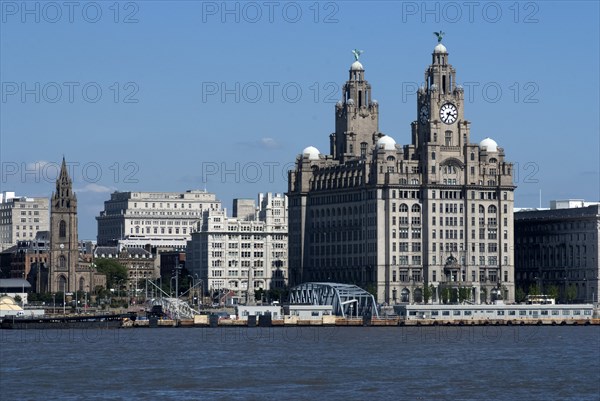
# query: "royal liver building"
427,222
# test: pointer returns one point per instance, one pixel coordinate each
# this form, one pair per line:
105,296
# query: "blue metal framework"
347,300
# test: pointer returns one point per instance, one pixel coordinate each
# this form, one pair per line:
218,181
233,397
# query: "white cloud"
38,165
95,188
266,142
269,143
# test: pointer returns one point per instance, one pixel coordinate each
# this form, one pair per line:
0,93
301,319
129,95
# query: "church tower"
356,117
64,249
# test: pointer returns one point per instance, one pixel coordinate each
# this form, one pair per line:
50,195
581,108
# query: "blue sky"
169,96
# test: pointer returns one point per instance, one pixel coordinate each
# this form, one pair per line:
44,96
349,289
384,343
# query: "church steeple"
64,197
357,116
64,248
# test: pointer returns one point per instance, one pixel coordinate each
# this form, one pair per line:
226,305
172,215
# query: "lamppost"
23,288
86,299
201,295
136,284
53,303
193,287
119,288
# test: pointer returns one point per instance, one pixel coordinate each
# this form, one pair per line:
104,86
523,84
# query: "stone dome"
357,66
489,144
440,48
386,143
311,152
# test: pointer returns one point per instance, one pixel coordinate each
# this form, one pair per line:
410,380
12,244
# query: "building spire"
64,187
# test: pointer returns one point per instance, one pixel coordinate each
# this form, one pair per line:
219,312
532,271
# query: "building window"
448,138
62,229
363,149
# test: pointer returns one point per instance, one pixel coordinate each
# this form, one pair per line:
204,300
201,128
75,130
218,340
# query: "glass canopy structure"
347,300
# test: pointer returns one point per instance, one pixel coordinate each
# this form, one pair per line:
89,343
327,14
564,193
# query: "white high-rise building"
21,218
156,219
228,253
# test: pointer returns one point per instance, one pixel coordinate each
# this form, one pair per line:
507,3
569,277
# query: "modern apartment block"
21,218
234,254
159,219
403,221
559,248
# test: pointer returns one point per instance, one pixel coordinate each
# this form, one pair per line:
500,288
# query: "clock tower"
64,249
440,126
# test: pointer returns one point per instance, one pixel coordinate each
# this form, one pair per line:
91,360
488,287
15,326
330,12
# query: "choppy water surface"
443,363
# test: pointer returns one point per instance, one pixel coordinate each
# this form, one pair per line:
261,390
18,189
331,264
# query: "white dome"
357,66
386,143
311,152
489,144
440,48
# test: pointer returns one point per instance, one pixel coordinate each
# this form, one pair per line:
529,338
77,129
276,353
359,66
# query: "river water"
298,363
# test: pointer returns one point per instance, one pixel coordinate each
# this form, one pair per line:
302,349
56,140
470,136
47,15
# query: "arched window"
416,208
472,156
81,284
432,155
403,208
492,209
62,229
61,283
481,209
62,262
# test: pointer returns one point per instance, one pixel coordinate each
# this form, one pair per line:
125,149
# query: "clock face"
448,113
424,114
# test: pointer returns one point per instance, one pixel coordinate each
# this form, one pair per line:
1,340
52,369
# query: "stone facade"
228,253
140,264
21,218
163,220
559,247
394,219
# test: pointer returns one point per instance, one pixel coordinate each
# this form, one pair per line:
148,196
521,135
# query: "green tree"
372,290
454,295
534,289
571,293
427,292
446,294
113,270
463,294
552,291
520,294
